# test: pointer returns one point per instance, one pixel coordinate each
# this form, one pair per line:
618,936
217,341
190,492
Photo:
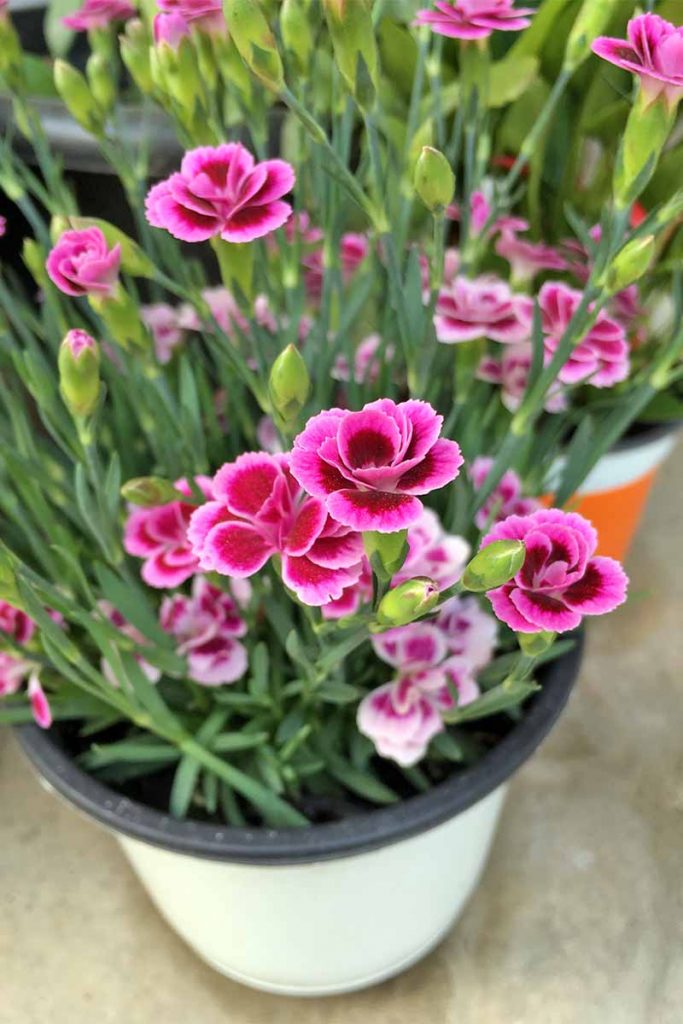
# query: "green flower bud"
630,263
79,372
122,317
33,257
494,565
297,35
254,40
102,81
647,129
10,53
289,384
9,590
386,552
434,180
149,491
533,644
408,602
134,47
78,98
591,21
176,73
355,50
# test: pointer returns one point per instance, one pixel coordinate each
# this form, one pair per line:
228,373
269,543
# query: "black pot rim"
368,831
646,433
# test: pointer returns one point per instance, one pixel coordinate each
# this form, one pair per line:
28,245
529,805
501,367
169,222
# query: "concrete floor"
579,919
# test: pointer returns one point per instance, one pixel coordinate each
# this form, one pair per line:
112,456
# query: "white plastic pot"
325,909
614,494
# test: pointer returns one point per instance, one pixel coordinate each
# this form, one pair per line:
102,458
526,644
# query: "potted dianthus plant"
281,605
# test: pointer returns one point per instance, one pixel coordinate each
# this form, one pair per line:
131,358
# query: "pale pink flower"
94,14
220,191
159,535
164,323
413,647
268,437
506,498
81,263
474,19
484,307
601,358
259,510
480,208
368,467
470,633
400,719
13,671
367,363
206,626
352,597
512,371
433,553
3,226
561,579
526,258
353,248
653,50
132,633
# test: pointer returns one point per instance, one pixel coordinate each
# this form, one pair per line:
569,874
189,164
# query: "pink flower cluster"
258,511
474,19
601,358
505,500
482,308
220,191
437,664
653,50
159,535
15,667
561,579
207,626
431,552
511,371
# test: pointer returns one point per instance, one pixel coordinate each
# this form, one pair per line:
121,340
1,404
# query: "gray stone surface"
579,919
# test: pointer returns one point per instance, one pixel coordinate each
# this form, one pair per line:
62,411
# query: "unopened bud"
78,98
255,41
407,602
355,51
386,552
122,317
79,372
533,644
494,565
434,179
33,257
647,129
297,35
631,263
10,52
289,384
149,491
102,81
134,48
590,22
176,72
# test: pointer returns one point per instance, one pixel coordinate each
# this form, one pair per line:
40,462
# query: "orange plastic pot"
614,494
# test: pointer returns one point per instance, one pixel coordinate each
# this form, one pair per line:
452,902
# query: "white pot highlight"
329,926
